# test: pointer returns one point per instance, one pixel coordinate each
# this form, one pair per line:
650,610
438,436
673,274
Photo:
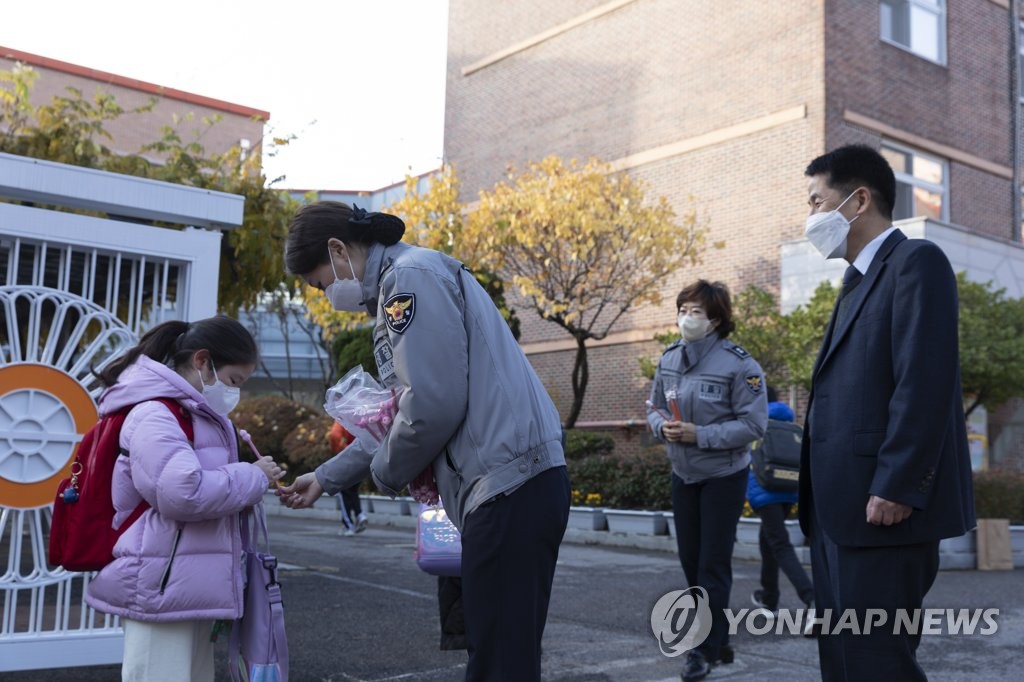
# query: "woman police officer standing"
472,408
708,404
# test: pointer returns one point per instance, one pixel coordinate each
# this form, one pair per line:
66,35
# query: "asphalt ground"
359,610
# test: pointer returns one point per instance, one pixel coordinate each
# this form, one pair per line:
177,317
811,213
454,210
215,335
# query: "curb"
954,553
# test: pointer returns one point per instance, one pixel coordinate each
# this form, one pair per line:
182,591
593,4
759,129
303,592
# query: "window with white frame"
915,25
922,183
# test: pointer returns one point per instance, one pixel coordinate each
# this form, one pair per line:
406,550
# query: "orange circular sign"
45,412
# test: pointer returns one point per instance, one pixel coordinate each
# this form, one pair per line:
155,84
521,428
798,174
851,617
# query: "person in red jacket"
351,509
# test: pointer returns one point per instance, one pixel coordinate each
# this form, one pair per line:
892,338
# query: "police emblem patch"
754,383
398,312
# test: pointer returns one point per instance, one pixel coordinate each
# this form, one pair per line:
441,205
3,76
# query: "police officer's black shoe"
725,655
696,668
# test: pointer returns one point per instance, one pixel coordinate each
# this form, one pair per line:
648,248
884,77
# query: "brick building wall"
964,104
647,76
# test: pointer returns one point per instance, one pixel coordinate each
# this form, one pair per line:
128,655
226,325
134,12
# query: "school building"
728,102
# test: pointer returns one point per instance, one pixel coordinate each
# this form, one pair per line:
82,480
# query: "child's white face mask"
219,396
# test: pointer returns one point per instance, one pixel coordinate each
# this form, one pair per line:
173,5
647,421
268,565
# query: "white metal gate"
75,291
49,343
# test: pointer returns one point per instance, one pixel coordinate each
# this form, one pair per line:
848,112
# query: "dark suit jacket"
885,416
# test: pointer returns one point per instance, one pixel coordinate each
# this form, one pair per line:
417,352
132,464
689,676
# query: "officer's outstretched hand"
302,493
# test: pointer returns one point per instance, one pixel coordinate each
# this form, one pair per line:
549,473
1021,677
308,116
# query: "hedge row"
999,494
296,435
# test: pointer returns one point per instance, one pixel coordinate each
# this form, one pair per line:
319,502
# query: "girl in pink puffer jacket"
178,568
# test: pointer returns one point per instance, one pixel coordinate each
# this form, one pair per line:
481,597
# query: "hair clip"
361,217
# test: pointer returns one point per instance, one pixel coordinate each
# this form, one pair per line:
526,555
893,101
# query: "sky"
360,83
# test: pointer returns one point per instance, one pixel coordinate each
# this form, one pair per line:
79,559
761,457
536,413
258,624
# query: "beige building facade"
185,111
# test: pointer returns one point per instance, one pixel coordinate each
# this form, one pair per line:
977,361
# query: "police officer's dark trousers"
509,549
706,514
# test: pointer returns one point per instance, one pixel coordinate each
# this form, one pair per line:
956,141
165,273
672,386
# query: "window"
1020,63
922,183
916,25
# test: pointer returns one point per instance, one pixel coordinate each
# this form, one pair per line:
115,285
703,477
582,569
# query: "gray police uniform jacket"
721,389
472,406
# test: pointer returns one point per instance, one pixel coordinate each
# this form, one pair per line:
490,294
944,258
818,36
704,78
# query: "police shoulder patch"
738,351
754,382
399,311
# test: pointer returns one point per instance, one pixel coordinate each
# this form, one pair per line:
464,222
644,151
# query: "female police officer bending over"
718,391
472,408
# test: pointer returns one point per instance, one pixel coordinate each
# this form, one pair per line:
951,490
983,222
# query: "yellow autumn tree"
583,245
434,218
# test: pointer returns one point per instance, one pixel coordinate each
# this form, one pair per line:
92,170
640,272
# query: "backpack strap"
186,425
181,415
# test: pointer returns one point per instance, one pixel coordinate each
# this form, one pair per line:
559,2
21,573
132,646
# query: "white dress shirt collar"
863,260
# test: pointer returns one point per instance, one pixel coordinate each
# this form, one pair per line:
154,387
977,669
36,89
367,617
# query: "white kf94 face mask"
693,328
219,396
345,294
827,231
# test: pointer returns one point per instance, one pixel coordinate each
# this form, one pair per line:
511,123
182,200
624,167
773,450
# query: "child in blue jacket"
776,550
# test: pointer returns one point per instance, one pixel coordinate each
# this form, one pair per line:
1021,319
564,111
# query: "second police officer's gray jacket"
472,406
720,388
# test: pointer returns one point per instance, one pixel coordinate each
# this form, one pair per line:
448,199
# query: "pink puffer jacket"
200,489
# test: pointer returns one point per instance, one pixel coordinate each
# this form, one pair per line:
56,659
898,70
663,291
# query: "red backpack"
82,535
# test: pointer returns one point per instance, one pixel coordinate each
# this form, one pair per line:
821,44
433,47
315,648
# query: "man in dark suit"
885,471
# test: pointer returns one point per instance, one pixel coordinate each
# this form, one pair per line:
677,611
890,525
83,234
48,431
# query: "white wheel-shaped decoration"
39,432
50,343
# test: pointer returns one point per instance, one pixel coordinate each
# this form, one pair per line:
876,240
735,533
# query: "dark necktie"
851,278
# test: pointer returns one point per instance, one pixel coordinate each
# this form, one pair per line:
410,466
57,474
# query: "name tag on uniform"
711,392
385,358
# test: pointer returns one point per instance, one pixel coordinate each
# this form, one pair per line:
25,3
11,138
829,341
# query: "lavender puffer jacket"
200,489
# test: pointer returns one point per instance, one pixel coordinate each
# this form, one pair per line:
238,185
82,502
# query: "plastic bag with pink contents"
367,410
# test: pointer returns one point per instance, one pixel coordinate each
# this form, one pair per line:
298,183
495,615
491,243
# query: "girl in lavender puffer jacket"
178,568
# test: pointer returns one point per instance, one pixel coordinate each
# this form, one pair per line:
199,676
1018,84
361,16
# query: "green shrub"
592,477
638,481
999,494
269,419
306,447
643,481
581,444
354,347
